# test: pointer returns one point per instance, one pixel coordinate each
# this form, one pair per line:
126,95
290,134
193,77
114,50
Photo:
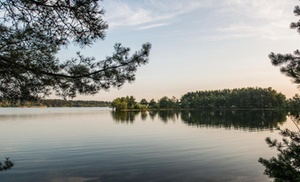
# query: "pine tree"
33,32
286,167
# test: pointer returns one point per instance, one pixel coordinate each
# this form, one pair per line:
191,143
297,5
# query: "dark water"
96,144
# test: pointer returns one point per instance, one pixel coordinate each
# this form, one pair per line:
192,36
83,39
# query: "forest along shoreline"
227,99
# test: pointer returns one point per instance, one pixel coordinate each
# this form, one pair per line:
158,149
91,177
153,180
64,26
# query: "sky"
199,45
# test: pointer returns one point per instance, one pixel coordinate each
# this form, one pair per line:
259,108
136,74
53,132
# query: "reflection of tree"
286,167
167,115
144,115
252,120
7,164
124,116
153,113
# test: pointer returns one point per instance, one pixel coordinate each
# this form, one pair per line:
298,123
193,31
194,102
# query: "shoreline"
211,109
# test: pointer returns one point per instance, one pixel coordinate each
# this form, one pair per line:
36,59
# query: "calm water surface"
97,144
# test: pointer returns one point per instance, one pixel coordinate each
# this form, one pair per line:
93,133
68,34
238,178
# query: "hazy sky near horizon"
199,44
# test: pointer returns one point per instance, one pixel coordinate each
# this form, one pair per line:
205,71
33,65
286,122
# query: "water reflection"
249,120
167,116
154,146
243,120
124,117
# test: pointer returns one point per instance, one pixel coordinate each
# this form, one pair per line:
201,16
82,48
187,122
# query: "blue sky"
200,44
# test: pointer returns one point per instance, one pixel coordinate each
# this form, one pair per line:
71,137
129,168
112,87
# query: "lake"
97,144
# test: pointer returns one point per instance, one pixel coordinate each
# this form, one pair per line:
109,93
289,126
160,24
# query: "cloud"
270,31
153,26
263,19
121,14
147,14
262,9
266,19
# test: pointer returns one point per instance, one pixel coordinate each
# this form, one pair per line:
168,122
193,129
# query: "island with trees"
241,98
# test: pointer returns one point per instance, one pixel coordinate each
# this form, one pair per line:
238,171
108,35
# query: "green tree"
123,103
115,103
167,103
240,98
153,104
290,63
286,167
119,103
294,103
164,102
131,102
144,102
34,31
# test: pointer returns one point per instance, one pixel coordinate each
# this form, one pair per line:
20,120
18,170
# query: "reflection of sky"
290,125
92,144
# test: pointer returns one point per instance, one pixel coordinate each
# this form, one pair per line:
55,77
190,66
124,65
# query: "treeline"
55,103
236,98
130,103
242,98
293,103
